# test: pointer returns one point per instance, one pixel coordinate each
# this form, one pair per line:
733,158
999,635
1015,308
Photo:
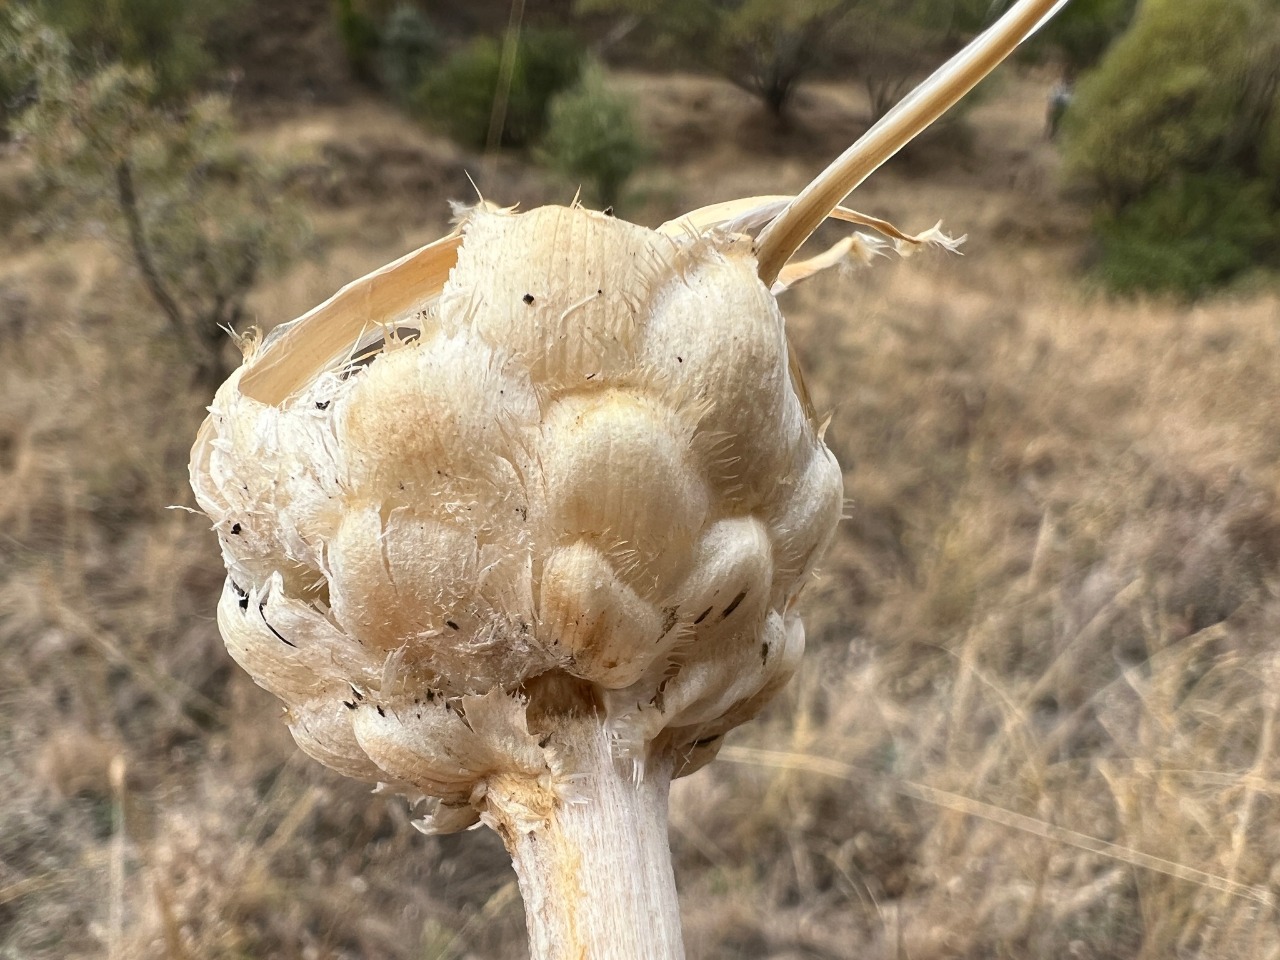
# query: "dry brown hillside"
1037,717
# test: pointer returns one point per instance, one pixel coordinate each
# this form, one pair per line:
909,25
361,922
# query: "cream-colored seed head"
576,476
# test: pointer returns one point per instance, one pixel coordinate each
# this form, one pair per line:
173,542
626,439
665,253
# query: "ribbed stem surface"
595,874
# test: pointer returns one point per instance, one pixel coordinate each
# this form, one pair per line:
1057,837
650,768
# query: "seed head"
577,476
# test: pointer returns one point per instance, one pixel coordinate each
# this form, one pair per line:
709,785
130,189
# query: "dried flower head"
577,475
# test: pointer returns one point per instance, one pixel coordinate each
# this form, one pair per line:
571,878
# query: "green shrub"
359,36
547,62
1193,234
1176,132
592,135
460,94
164,36
408,46
1167,97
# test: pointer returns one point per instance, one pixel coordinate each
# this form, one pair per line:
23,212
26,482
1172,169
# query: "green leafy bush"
461,93
458,95
408,46
1164,99
359,35
1189,236
592,135
1176,133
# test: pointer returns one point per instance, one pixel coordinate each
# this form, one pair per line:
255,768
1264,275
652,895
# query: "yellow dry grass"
1037,717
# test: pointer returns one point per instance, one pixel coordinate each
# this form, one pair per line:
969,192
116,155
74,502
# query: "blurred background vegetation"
1043,651
1173,135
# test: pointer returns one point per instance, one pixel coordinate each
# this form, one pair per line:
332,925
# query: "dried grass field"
1038,713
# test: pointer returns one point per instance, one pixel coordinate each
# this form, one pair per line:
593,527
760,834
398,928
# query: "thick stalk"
595,868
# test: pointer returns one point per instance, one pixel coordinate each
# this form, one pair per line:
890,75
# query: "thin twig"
127,194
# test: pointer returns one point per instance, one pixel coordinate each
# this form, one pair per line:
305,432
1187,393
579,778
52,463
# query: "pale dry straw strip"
786,760
119,851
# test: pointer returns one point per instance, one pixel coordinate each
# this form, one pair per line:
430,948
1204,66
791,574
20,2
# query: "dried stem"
594,872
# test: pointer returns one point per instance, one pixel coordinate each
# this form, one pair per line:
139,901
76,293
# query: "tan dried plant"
516,525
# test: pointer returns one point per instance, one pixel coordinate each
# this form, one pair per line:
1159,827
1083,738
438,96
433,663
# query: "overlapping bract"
584,457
